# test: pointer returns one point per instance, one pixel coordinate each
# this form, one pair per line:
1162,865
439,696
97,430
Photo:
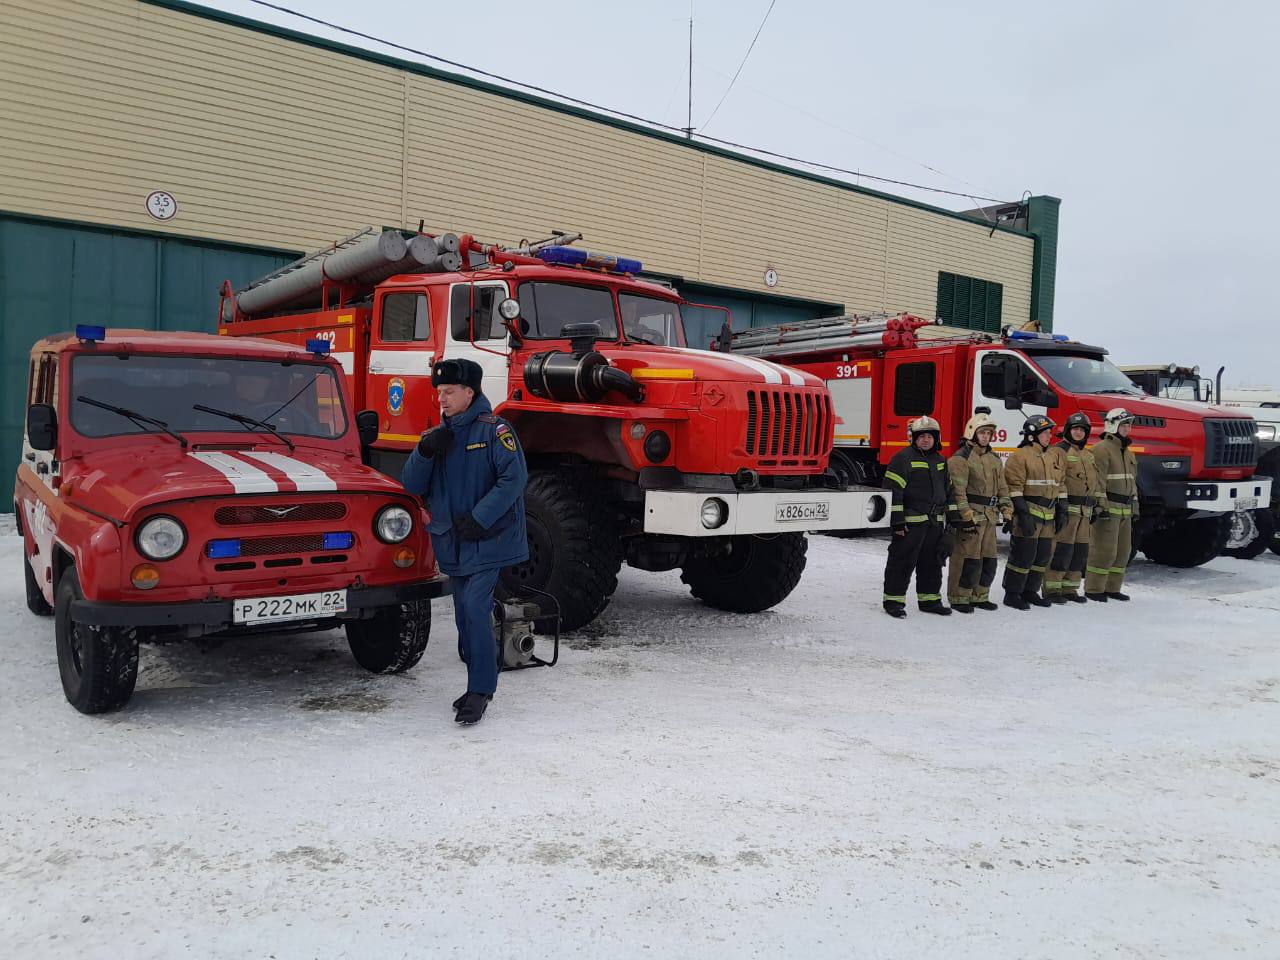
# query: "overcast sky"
1155,123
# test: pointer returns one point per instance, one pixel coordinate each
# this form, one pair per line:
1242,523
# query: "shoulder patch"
503,427
507,439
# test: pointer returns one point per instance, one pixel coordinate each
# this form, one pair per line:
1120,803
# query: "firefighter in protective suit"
922,506
982,502
1034,482
1084,492
1113,530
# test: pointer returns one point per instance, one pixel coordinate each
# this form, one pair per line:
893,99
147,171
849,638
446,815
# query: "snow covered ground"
817,781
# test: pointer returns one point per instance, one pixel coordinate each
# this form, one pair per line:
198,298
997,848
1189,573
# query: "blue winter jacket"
483,474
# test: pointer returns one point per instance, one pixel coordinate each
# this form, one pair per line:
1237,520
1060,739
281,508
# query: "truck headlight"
1266,431
715,512
161,538
657,446
393,524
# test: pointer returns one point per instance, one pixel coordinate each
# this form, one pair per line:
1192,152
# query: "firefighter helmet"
976,423
1077,419
1115,418
924,425
1036,425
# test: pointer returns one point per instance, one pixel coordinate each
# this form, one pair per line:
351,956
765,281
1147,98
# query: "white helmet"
1115,417
976,423
924,425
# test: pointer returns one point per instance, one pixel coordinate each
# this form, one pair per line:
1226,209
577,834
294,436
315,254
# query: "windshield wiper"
246,421
140,419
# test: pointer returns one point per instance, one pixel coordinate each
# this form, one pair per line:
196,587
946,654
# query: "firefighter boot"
986,605
1017,601
1075,597
1117,595
894,609
1100,597
962,607
935,606
1035,600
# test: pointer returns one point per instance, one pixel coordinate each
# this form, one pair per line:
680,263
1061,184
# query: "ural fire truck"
640,449
1252,531
1195,462
178,485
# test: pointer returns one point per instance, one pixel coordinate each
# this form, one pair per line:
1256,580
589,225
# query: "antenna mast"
688,131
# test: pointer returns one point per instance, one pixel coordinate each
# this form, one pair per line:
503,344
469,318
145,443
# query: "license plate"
300,606
802,512
1246,503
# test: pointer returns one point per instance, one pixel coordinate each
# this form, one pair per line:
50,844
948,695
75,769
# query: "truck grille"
266,546
279,513
787,423
1230,443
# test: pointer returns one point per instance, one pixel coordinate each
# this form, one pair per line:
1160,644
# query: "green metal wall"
702,326
54,275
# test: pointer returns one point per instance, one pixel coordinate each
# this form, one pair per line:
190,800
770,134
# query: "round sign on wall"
771,277
161,205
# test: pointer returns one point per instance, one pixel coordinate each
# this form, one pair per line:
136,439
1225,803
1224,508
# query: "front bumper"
214,615
679,512
1215,496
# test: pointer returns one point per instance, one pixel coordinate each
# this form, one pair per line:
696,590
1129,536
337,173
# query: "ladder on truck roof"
321,254
829,333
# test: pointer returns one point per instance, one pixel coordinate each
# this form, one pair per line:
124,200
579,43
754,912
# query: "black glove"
1097,513
946,544
899,528
1060,517
1007,527
960,523
467,528
434,441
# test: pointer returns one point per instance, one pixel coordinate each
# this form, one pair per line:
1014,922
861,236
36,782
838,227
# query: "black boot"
895,610
457,704
1075,597
473,707
962,607
935,606
1117,595
1016,601
1057,598
1100,597
1036,600
986,605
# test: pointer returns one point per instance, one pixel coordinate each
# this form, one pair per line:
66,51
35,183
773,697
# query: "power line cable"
764,20
611,110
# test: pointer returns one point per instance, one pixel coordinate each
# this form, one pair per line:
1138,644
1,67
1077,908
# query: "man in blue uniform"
471,471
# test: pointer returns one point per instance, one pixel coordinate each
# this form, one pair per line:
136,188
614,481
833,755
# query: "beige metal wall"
265,140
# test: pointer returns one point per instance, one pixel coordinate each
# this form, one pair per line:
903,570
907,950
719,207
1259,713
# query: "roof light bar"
573,257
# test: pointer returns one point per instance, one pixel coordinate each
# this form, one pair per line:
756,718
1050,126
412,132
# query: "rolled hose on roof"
560,376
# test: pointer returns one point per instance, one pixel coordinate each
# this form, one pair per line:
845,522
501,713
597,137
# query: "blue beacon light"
319,347
573,257
90,333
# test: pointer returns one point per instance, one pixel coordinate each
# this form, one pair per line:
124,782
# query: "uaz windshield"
297,399
1086,374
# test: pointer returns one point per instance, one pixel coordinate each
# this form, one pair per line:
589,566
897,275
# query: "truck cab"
640,449
175,486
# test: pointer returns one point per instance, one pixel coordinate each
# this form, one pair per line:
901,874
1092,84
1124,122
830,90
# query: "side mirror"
367,427
1011,384
42,426
1045,397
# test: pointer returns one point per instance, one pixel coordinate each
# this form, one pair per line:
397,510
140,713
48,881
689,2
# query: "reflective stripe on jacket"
920,484
977,478
1036,476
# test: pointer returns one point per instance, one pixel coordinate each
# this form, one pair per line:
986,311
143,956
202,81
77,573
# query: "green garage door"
747,310
53,276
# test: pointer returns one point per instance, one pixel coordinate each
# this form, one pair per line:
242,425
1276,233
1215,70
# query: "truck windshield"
651,320
302,399
1180,388
1086,374
549,307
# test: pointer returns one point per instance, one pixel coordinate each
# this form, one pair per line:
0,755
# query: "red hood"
120,480
1147,406
708,365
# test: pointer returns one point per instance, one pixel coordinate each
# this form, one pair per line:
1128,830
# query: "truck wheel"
98,665
36,602
1252,531
575,552
1188,543
393,640
757,573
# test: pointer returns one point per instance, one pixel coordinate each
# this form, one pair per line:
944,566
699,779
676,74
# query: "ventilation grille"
247,514
787,423
1230,443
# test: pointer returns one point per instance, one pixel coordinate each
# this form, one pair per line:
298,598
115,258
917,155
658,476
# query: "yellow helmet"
976,423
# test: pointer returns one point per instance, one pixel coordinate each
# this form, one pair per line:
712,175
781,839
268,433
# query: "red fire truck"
177,485
1195,462
640,449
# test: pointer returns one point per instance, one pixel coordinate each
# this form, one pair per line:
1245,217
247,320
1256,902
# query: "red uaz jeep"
175,485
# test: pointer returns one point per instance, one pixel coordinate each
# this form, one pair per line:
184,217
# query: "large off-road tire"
756,574
1251,533
1188,543
575,552
393,640
98,665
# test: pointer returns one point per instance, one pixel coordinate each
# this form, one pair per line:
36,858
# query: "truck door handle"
31,457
